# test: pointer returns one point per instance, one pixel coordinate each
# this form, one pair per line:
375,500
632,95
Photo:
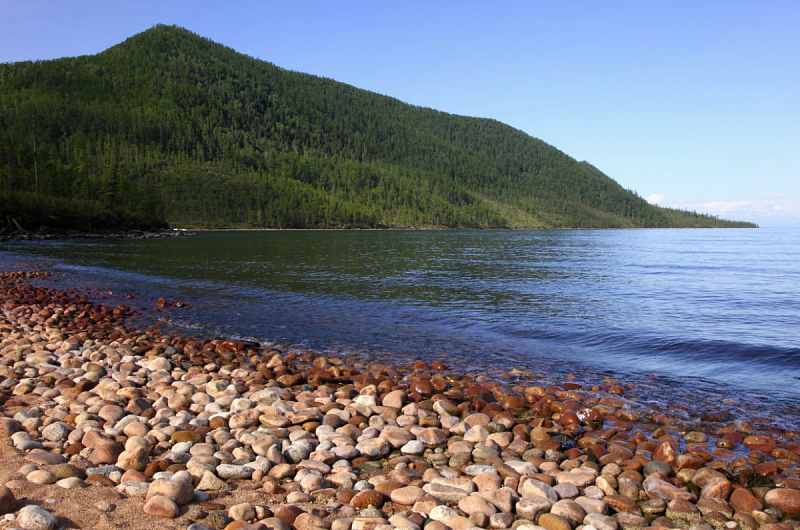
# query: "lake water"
702,315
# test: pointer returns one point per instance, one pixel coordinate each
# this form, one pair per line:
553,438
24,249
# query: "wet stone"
785,499
657,467
681,511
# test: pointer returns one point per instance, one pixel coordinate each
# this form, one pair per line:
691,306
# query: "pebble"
34,517
242,512
179,491
41,476
105,506
161,506
7,500
407,495
230,471
55,432
71,483
211,482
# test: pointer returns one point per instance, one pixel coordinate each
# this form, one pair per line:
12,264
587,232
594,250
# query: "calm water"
713,313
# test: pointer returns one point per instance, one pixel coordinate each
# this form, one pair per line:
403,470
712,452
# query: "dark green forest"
170,126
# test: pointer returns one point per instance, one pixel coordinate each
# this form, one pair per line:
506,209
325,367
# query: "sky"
693,105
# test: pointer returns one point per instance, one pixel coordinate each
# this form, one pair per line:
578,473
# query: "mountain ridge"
174,125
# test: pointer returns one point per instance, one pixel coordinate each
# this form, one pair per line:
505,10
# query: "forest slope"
171,125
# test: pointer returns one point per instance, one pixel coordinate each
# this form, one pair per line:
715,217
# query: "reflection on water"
718,304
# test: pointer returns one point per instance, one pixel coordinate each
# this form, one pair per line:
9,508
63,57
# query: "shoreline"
57,236
335,435
190,232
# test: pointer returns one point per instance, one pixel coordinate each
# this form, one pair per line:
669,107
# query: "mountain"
173,126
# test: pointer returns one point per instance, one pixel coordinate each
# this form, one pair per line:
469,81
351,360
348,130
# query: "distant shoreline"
189,232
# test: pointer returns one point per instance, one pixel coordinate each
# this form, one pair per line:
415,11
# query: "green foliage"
68,214
168,122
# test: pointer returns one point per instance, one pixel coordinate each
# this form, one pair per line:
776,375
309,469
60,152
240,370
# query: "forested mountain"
174,126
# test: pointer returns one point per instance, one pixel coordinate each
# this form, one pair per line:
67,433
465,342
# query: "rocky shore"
48,235
107,426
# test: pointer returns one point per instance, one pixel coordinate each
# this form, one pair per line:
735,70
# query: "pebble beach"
106,425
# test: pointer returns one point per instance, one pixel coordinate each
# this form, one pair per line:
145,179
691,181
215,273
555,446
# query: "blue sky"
691,104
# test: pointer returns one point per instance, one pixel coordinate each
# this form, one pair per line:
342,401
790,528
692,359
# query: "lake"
703,315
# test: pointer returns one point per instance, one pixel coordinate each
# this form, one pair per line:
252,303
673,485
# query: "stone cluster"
338,444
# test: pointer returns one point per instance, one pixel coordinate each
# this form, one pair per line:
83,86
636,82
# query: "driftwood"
19,227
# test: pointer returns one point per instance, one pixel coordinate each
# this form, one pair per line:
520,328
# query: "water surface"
713,313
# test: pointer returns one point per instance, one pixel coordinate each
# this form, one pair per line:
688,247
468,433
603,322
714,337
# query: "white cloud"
655,198
773,212
722,207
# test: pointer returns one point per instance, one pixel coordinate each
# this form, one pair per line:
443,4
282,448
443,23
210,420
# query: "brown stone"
681,511
305,521
425,504
569,510
8,503
473,504
395,399
288,513
552,521
111,413
407,496
345,495
106,454
717,487
236,525
661,489
666,452
432,437
136,459
743,501
368,499
100,479
8,427
702,476
217,422
711,504
785,499
186,436
74,449
629,521
178,490
503,499
423,387
621,503
137,406
161,507
45,459
396,436
67,471
388,486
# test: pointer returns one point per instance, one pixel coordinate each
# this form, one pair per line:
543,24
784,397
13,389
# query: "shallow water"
704,315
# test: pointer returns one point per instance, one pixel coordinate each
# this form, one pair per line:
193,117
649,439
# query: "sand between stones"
107,426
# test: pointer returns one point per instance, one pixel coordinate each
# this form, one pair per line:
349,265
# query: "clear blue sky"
692,104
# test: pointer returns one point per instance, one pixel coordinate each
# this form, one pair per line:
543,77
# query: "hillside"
171,125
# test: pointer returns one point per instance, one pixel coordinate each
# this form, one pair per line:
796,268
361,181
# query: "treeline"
169,125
